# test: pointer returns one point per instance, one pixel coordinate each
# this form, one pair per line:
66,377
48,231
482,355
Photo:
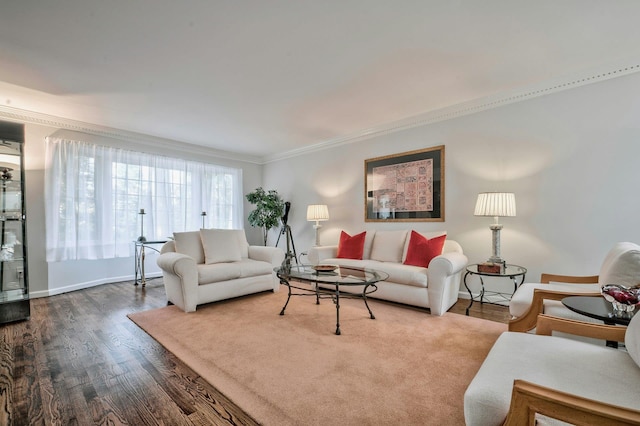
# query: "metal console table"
139,259
514,272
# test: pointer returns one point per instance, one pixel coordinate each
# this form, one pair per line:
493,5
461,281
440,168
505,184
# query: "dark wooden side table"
514,272
597,308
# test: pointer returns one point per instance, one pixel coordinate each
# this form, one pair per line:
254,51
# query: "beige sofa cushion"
218,272
242,242
220,245
632,339
189,243
368,244
388,246
414,276
621,265
521,299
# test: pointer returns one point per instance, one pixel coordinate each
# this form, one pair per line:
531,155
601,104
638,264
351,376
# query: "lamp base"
142,239
495,244
316,228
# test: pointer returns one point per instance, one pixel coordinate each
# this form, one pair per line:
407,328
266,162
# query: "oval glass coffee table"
326,282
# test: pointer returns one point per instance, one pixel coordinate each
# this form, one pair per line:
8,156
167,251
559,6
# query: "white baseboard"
87,284
463,294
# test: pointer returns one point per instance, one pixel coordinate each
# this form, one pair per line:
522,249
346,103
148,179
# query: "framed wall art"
405,187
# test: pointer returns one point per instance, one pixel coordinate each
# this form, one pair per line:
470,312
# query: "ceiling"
262,78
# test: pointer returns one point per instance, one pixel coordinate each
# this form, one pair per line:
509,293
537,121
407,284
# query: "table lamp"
317,213
496,204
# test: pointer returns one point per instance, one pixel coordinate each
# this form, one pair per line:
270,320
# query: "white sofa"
435,287
215,264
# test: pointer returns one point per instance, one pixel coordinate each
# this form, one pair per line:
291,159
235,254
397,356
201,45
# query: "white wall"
57,277
572,158
34,201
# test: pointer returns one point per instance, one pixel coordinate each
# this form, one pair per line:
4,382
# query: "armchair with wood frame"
529,379
620,266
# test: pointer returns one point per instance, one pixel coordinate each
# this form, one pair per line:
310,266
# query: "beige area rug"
404,367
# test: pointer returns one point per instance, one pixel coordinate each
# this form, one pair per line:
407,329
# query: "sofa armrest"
527,321
443,274
179,264
447,264
168,247
319,253
180,276
547,324
528,399
568,279
273,255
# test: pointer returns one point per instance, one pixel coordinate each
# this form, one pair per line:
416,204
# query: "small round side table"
598,308
514,272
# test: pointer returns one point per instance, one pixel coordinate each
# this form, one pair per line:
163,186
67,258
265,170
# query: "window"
94,195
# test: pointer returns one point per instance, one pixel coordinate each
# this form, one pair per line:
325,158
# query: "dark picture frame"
405,187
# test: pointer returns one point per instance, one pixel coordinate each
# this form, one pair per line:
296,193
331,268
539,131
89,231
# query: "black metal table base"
481,298
335,296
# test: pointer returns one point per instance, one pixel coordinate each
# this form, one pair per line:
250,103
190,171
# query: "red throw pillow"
421,250
351,247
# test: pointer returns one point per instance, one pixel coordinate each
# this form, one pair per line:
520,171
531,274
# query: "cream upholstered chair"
620,266
529,379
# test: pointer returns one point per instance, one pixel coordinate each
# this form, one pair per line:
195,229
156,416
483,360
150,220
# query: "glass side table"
139,257
514,272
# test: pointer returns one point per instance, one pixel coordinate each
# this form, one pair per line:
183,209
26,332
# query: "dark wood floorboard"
80,361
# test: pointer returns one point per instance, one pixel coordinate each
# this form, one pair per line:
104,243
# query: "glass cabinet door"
14,290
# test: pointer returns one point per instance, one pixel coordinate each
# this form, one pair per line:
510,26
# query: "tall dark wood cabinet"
14,283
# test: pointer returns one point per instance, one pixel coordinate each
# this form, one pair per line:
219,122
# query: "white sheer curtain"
94,195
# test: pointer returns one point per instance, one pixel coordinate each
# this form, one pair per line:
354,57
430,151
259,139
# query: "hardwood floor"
81,361
485,311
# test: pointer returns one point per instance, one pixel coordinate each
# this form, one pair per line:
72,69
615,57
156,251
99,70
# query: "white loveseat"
215,264
435,287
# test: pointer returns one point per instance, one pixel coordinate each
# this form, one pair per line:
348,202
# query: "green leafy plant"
269,210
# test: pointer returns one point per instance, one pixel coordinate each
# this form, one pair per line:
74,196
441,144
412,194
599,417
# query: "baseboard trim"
87,284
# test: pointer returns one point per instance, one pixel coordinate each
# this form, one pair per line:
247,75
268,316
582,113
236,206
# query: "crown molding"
555,85
153,142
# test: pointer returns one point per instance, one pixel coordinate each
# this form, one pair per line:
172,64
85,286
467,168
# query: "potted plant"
269,210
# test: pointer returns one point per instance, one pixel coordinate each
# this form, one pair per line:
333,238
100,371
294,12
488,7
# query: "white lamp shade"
495,204
317,212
